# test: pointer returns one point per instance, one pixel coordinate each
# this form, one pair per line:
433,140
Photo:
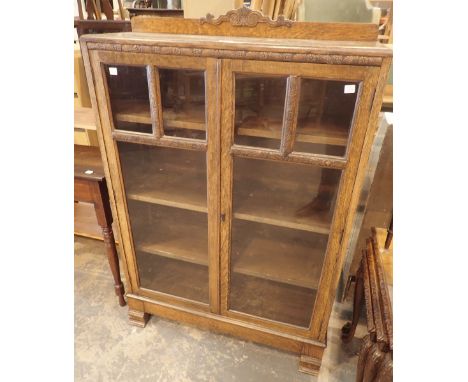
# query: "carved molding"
245,17
336,59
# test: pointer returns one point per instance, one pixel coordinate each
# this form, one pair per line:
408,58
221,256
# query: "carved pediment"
245,17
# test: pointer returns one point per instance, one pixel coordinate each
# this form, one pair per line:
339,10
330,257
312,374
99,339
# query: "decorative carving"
334,59
245,17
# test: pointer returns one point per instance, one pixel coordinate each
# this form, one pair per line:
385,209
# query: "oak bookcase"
235,150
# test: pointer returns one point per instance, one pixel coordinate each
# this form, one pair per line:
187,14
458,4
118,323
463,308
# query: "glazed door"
291,134
161,133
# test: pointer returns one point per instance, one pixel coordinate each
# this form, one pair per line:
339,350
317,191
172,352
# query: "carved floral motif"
245,17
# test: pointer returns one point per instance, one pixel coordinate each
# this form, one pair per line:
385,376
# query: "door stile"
334,255
227,134
213,94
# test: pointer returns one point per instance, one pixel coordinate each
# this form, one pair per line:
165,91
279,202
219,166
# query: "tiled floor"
107,348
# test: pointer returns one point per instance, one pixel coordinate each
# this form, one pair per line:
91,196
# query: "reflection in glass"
129,98
183,102
259,109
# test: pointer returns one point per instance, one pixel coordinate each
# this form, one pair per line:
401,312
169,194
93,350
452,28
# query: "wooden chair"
95,23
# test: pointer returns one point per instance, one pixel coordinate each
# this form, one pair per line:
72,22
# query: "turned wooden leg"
348,330
113,259
104,218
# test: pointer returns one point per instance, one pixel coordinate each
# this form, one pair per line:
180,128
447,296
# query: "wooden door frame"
368,77
108,138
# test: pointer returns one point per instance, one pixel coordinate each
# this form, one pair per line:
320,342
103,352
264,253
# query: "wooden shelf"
139,112
182,236
278,209
132,111
179,184
277,254
177,278
193,119
169,177
327,134
271,300
272,193
291,257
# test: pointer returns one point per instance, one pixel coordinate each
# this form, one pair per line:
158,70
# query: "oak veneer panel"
303,30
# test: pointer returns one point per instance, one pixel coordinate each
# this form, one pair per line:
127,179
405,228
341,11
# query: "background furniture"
97,16
375,207
235,164
90,187
375,285
155,12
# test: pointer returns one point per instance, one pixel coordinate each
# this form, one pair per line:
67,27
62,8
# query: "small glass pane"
183,102
129,98
326,110
167,207
259,110
282,214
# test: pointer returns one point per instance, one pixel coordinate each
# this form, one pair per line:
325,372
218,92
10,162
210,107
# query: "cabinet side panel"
361,141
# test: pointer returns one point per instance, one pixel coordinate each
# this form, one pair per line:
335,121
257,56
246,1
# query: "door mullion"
288,131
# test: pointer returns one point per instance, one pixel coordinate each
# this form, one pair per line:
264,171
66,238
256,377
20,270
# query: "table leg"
104,217
113,259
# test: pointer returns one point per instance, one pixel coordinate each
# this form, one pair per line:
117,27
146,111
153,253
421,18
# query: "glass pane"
129,97
166,197
259,110
183,102
326,110
282,216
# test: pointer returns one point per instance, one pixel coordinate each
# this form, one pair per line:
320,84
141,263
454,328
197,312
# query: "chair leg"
348,330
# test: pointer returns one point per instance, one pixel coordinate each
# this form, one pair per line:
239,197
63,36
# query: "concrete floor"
107,348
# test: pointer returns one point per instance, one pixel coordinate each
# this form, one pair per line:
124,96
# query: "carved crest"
245,17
